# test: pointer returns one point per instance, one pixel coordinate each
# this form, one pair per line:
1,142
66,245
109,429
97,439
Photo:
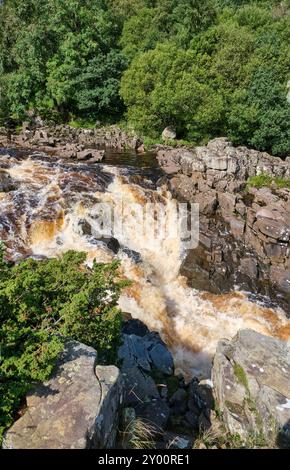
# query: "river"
54,209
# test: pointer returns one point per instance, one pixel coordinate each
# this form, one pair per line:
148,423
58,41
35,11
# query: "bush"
44,303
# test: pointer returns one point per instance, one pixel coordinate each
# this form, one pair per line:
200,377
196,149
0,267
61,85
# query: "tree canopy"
208,67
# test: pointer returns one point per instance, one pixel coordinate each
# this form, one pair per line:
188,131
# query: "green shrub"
266,181
44,303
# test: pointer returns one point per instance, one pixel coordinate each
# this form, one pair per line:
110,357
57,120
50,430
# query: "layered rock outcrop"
252,388
69,140
77,408
244,232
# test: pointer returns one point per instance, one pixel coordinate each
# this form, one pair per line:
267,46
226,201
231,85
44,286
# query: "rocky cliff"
244,232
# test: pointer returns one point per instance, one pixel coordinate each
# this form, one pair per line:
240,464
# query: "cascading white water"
43,217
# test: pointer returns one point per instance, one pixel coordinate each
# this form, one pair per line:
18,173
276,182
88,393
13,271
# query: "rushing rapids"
53,208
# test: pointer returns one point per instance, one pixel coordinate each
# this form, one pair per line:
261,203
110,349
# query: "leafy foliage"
42,304
209,67
62,56
229,79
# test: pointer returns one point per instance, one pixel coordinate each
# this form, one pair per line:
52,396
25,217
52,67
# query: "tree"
174,20
63,56
167,86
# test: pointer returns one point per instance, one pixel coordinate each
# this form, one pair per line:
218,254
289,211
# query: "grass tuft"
267,181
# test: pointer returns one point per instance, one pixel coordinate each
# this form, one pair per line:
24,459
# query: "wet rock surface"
244,232
77,408
251,386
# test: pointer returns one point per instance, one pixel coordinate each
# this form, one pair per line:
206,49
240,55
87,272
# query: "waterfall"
54,209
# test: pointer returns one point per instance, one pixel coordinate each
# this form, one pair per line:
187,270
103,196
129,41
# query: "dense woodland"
207,67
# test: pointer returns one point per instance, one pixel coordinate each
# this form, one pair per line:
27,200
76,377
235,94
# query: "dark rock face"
135,327
154,394
77,408
244,234
251,386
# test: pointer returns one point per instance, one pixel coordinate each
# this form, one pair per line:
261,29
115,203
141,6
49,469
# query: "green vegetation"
139,434
208,67
219,438
44,303
241,376
267,181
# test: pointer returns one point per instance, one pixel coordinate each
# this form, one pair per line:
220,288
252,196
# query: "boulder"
6,182
276,229
77,408
169,133
252,388
111,243
207,202
216,162
92,156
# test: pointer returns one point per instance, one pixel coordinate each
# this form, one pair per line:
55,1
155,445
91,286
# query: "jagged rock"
252,387
247,222
237,227
192,419
275,229
281,279
249,267
227,203
77,408
207,202
159,354
200,396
